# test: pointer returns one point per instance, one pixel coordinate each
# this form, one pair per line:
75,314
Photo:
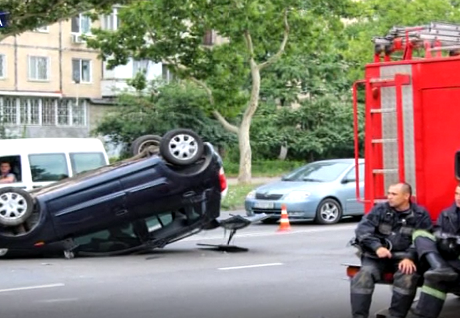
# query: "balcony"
115,81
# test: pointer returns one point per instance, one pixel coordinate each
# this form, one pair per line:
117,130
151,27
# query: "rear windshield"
86,161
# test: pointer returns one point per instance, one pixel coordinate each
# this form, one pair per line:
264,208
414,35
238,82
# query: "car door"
352,205
146,190
89,207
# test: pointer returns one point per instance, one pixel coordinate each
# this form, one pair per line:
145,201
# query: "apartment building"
52,85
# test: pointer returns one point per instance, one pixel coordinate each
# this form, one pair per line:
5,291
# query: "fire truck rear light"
352,271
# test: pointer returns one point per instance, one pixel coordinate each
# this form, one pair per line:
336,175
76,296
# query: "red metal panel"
441,139
436,117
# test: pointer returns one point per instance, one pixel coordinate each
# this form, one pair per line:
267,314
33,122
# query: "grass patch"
265,168
236,195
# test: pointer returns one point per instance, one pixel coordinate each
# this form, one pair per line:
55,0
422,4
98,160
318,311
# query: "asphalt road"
295,274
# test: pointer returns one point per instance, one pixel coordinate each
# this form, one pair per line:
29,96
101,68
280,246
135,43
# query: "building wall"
53,107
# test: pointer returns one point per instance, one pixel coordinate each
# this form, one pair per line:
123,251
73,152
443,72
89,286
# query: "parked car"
37,162
323,191
159,196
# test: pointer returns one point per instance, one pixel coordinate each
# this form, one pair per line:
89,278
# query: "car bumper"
295,210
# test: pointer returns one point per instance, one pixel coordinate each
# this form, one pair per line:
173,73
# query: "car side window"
48,167
351,175
14,164
85,161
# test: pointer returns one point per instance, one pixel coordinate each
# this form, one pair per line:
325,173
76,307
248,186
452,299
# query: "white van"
37,162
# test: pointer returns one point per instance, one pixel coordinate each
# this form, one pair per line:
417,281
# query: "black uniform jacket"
384,226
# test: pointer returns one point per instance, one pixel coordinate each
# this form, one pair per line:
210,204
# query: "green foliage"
377,17
31,14
167,107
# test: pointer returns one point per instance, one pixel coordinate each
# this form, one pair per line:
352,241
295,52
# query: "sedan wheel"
16,206
151,142
329,212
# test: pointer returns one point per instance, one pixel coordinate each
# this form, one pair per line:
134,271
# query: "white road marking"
57,300
31,287
258,234
249,266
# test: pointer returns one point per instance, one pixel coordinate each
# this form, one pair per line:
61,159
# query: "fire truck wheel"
329,211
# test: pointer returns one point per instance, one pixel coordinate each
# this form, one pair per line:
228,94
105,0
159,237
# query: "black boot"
440,270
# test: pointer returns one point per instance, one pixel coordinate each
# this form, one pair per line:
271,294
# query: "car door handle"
121,212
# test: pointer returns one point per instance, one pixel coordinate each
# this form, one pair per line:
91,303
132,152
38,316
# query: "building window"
81,71
29,111
140,66
42,111
38,68
42,29
9,113
166,73
111,21
81,24
209,38
2,66
48,112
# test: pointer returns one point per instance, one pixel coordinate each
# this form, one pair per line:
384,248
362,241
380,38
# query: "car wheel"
181,147
16,205
329,211
151,142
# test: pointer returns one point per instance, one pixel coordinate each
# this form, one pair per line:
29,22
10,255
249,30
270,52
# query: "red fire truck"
411,119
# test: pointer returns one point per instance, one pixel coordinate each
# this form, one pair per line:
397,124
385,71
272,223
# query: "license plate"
264,205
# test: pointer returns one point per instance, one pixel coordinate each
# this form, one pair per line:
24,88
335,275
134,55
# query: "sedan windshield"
317,172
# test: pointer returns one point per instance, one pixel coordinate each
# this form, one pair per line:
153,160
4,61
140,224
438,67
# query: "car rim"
183,147
3,251
12,205
152,145
329,212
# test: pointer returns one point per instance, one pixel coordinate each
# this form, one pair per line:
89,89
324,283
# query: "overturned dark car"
170,190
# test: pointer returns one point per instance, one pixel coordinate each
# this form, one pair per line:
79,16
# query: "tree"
257,33
30,14
166,107
377,17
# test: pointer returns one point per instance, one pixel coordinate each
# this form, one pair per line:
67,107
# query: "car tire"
147,141
181,147
16,206
329,211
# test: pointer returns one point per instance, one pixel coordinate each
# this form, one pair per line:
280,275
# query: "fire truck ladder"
434,37
373,118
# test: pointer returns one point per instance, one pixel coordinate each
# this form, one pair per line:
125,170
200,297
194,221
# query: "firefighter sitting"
392,222
440,249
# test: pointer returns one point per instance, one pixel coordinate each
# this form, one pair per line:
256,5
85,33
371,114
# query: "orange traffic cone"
284,221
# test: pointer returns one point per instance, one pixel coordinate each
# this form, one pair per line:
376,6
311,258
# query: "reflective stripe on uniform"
433,292
423,233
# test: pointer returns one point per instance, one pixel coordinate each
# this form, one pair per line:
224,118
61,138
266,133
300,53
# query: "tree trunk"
244,140
244,174
283,153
